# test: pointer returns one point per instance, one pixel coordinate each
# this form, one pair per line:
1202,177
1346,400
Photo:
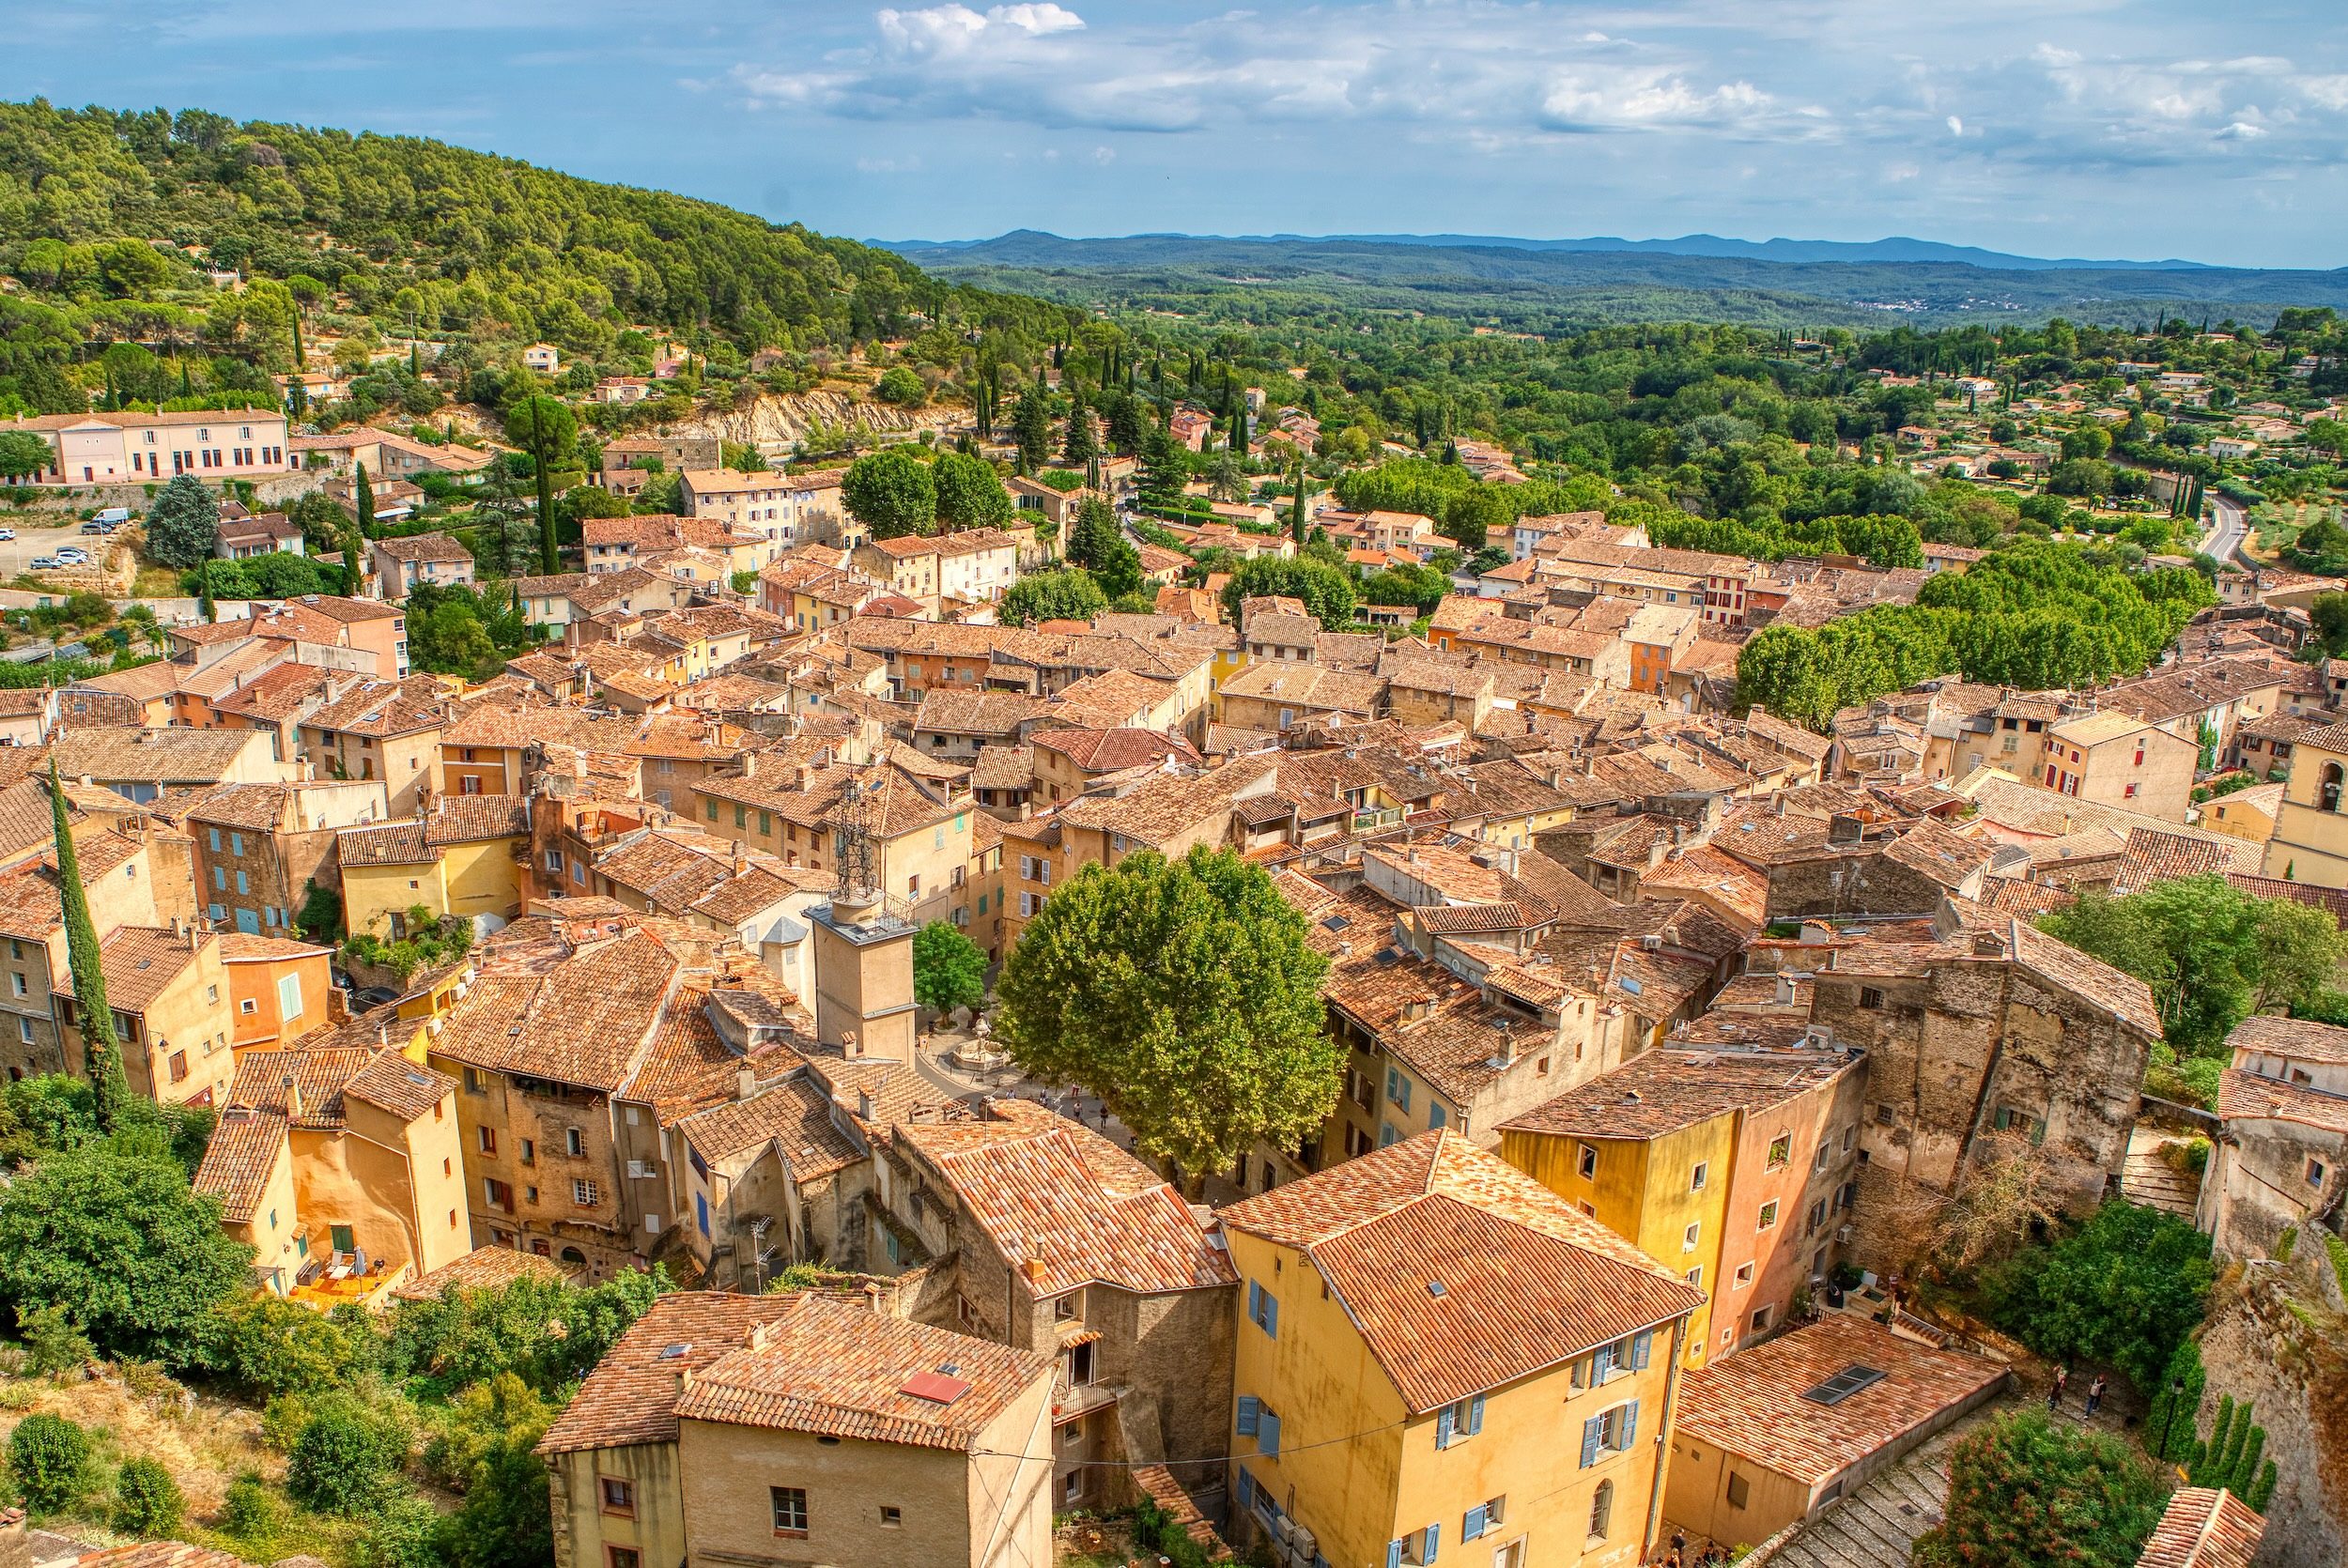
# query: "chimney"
850,1047
1033,1267
750,766
293,1097
1784,990
864,1104
1843,829
745,1080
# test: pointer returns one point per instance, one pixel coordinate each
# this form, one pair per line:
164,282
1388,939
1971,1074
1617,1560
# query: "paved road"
2229,529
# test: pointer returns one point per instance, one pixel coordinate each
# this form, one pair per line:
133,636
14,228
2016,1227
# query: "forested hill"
113,218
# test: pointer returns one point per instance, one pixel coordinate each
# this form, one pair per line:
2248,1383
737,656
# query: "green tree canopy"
892,493
1185,994
969,493
1327,592
901,386
1066,595
2026,1492
2123,1290
949,969
183,524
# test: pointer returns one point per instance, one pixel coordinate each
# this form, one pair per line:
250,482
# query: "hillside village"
605,885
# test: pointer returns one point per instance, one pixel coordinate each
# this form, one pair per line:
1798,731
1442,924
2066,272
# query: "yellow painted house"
1712,1160
1436,1356
461,855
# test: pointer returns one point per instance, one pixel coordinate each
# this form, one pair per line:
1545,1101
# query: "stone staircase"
2147,1178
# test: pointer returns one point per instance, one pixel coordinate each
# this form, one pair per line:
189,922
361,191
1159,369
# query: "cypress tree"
101,1053
362,498
203,606
1296,506
353,581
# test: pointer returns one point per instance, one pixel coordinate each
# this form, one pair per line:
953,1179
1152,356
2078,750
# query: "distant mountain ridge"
1549,285
1897,248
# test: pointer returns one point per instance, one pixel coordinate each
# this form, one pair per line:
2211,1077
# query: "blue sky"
2100,127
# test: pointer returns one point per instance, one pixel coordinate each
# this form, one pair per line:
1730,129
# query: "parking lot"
17,554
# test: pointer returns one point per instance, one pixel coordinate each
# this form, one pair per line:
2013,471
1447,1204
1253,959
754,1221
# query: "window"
1601,1510
1398,1089
1739,1490
344,1239
621,1557
891,1516
1585,1161
1781,1149
1761,1318
1456,1423
530,1151
2009,1119
585,1193
1769,1215
289,996
790,1504
1263,1308
1870,997
1743,1276
1695,1276
1608,1432
1826,1152
1689,1237
2315,1173
25,1030
1481,1519
178,1067
16,984
1257,1420
489,1137
574,1141
1695,1177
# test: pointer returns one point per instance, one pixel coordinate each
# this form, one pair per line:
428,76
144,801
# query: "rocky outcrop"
2276,1342
775,423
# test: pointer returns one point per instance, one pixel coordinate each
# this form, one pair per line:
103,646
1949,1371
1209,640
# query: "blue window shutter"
1393,1554
1475,1415
1434,1114
1590,1431
1630,1423
1268,1434
1473,1526
1639,1348
215,840
1392,1078
1255,1302
1446,1427
1246,1488
1272,1315
1249,1406
1435,1534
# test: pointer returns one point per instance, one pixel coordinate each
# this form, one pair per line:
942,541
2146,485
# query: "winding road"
2229,529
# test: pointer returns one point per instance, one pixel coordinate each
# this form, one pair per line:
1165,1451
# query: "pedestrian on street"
2096,1395
2054,1390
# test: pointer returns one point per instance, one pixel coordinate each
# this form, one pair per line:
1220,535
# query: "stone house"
2279,1161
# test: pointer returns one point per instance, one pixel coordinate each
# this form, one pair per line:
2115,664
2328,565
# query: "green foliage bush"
49,1460
147,1505
2028,1492
2123,1290
346,1457
949,969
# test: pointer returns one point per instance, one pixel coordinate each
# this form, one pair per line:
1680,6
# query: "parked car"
46,564
8,533
93,528
73,555
373,996
110,518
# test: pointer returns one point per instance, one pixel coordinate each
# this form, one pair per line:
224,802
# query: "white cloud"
1957,126
2240,131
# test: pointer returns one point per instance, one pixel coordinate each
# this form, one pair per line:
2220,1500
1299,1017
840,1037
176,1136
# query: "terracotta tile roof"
1308,687
395,844
242,1152
688,1068
1166,807
391,1082
2303,1039
1669,1089
160,1553
797,1117
2154,856
632,1396
179,756
140,961
239,947
1528,1280
1753,1404
1113,750
380,708
2202,1527
1705,869
482,1269
820,1365
274,695
1047,1192
840,1369
2243,1096
583,1017
418,548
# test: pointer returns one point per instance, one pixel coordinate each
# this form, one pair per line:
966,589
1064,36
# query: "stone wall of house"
1862,882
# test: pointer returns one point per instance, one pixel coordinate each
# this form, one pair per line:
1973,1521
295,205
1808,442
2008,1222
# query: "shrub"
250,1512
2123,1290
147,1505
273,1346
49,1461
345,1457
53,1343
2026,1492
